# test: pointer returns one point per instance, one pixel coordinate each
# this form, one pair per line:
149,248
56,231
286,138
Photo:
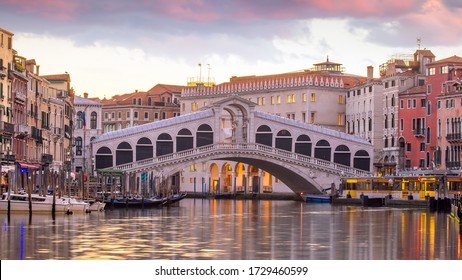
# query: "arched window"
164,145
93,120
362,160
322,150
303,145
342,155
184,140
103,158
124,153
204,135
284,140
79,120
264,136
144,149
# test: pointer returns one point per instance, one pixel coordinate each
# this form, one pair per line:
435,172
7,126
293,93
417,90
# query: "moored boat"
19,202
456,209
318,198
176,197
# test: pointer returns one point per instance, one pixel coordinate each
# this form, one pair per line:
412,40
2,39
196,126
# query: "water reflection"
225,229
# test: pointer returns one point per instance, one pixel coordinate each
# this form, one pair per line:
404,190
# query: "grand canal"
237,230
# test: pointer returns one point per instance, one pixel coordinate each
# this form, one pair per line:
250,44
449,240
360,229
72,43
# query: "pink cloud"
61,10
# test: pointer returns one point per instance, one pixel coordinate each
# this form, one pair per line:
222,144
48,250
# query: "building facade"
6,119
316,96
88,126
137,108
445,83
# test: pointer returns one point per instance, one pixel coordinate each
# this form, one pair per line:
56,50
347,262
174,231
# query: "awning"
28,165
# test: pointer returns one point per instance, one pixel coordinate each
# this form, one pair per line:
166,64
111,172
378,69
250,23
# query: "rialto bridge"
253,147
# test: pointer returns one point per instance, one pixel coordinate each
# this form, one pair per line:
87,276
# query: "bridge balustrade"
347,170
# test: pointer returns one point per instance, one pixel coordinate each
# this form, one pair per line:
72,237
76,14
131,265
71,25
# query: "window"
149,101
278,99
93,120
134,101
183,107
135,115
304,117
444,69
393,100
429,89
119,115
386,121
262,101
429,111
438,105
164,115
409,148
431,71
128,115
156,115
339,119
313,97
146,115
414,103
401,124
340,99
304,97
401,104
139,101
422,147
423,103
312,117
409,103
105,116
113,115
272,100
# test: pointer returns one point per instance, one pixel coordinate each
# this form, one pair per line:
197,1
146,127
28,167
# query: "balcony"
454,137
7,127
21,131
3,72
419,132
453,164
47,158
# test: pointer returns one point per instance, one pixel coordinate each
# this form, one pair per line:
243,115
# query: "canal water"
202,229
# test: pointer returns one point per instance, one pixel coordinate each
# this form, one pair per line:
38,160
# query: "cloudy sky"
116,46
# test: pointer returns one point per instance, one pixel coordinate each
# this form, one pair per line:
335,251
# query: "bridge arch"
184,140
284,140
362,160
322,150
144,148
264,135
164,144
303,145
124,153
103,158
204,135
342,155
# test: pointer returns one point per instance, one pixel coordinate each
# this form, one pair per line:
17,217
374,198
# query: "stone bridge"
305,157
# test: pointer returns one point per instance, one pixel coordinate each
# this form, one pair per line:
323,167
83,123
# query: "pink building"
412,128
445,78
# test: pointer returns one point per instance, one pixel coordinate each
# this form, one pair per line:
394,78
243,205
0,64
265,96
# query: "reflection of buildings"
315,96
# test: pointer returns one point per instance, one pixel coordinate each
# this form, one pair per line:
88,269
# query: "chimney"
85,94
37,68
370,73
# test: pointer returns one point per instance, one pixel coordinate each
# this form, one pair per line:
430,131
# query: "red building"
444,115
412,128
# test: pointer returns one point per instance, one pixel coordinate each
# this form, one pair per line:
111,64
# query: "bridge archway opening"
303,145
164,144
184,140
204,135
264,136
144,149
124,153
103,158
284,140
322,150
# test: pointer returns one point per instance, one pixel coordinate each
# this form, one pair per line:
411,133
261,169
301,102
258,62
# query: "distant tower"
418,43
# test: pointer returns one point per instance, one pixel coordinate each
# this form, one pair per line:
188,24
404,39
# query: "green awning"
110,171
